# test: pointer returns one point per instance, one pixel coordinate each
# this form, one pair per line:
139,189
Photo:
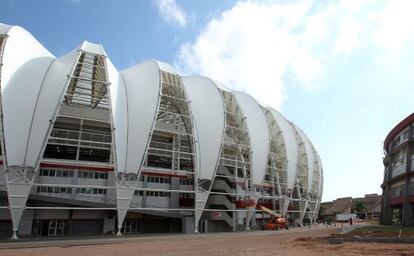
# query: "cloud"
172,13
395,25
256,45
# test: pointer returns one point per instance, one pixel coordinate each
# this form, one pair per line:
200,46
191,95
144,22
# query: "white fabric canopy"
259,135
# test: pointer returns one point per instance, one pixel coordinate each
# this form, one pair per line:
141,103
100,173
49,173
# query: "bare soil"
295,242
379,231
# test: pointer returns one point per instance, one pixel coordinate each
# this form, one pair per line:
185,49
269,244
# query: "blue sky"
340,70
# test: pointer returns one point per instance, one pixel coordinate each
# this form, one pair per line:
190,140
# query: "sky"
341,70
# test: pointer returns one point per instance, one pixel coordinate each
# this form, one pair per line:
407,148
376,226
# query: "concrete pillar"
26,223
109,223
17,194
187,225
407,208
124,196
175,197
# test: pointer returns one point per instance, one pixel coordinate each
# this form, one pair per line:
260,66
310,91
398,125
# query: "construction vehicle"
276,222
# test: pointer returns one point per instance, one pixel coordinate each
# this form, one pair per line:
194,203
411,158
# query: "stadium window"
94,155
139,193
92,175
60,152
159,161
186,195
186,181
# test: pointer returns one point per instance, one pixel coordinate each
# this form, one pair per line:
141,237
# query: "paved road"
282,235
294,242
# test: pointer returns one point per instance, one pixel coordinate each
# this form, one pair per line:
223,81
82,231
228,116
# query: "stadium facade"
398,186
87,149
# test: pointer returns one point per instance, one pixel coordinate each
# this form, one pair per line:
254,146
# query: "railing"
89,139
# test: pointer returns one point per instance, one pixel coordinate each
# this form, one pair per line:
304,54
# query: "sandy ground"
284,243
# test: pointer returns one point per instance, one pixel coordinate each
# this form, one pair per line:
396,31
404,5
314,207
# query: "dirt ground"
296,242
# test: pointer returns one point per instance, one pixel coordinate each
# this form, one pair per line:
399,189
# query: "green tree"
358,207
322,210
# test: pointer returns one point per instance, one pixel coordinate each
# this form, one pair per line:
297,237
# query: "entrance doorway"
50,227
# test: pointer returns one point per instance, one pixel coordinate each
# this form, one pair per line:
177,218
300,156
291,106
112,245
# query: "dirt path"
283,243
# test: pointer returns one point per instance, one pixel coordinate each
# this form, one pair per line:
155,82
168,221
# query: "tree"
322,209
358,207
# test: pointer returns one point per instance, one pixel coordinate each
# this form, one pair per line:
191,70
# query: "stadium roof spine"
206,105
291,147
259,135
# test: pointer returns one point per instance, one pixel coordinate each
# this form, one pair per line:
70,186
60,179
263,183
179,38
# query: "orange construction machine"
276,222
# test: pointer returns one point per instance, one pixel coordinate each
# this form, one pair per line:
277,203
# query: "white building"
88,149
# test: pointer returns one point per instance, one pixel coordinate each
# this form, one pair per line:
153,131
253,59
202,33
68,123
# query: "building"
372,204
398,185
87,149
370,212
329,210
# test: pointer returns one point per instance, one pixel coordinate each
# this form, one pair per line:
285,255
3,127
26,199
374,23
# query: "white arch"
119,109
208,113
259,135
309,157
291,146
50,97
142,87
25,63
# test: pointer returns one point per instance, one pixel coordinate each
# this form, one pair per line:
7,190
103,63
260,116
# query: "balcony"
398,169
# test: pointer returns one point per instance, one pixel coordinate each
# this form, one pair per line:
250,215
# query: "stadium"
88,149
398,185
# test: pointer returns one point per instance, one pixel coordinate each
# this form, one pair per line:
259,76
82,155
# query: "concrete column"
386,211
26,223
109,223
187,225
174,197
144,193
384,204
407,219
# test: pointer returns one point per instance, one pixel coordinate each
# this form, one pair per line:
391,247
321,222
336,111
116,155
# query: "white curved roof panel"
221,86
4,28
259,135
165,67
142,87
25,63
92,48
309,156
320,176
50,97
290,144
208,114
119,107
